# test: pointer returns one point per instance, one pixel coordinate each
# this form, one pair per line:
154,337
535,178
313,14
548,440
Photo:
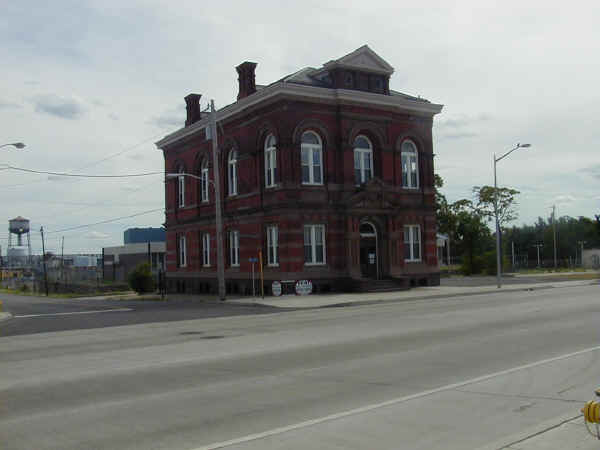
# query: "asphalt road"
40,314
454,373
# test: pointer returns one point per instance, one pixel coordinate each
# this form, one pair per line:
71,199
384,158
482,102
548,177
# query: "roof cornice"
290,90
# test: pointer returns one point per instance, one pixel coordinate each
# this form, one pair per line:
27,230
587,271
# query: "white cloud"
63,107
96,235
564,199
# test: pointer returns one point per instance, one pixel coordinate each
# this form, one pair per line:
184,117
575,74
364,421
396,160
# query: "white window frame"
204,180
312,229
206,249
361,161
182,251
234,248
181,189
412,165
273,243
410,233
310,149
270,161
232,175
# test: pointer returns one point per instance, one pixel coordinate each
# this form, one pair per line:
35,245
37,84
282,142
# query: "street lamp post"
218,213
498,256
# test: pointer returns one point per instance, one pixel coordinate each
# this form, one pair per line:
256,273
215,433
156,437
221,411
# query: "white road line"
367,408
73,313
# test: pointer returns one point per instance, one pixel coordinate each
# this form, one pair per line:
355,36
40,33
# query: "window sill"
235,265
413,260
271,186
315,264
312,184
206,266
273,265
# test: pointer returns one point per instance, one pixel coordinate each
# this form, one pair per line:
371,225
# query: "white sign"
304,287
276,288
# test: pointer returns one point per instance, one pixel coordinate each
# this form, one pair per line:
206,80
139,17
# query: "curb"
406,299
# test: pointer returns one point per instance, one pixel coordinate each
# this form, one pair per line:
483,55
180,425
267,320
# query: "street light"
18,145
498,269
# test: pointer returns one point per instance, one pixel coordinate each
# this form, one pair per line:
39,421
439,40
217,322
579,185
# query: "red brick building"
327,171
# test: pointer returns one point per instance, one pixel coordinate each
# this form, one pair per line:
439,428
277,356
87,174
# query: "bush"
472,266
141,279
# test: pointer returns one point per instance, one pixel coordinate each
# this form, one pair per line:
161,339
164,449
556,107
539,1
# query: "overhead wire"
63,174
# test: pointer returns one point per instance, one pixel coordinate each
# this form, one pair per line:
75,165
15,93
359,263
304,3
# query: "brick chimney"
192,104
246,79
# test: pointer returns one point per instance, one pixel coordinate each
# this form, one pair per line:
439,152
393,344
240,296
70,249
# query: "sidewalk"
562,433
354,299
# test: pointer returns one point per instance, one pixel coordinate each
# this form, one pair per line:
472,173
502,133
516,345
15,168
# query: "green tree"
141,279
475,239
507,203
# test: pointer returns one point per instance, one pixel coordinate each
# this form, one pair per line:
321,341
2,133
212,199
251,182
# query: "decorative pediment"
363,59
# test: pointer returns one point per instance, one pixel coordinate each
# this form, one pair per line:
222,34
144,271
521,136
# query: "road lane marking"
73,313
367,408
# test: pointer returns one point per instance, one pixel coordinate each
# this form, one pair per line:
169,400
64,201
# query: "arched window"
204,180
311,151
363,160
232,172
270,161
181,187
410,168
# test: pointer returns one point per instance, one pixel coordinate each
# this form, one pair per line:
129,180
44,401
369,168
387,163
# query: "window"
363,160
182,252
311,156
181,188
234,248
314,244
270,161
204,181
206,249
412,243
410,169
232,172
272,246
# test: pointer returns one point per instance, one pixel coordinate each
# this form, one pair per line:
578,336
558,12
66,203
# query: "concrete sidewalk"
561,433
354,299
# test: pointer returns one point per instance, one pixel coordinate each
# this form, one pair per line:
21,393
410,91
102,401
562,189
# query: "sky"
89,86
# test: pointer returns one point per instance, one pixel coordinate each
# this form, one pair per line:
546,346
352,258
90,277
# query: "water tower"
18,255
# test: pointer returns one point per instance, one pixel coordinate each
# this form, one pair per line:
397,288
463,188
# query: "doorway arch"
369,250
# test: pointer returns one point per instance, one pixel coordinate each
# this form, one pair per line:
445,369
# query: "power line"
105,221
61,174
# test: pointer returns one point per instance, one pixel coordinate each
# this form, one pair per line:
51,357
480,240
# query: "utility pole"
554,234
581,244
218,215
62,261
538,253
44,260
513,255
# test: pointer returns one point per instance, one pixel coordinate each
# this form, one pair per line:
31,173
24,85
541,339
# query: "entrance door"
368,251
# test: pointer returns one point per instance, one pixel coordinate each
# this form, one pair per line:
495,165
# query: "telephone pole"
219,212
581,245
44,260
554,234
538,253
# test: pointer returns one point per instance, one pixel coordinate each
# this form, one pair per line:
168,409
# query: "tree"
507,203
475,239
141,279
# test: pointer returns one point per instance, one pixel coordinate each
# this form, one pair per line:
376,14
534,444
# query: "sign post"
262,275
253,260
